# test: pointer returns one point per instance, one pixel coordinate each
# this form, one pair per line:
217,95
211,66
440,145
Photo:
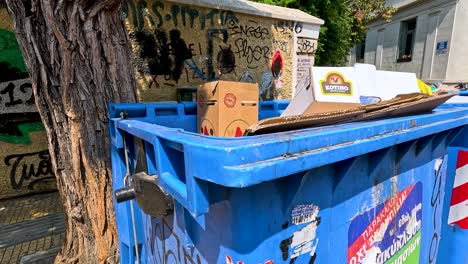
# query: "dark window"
360,52
407,37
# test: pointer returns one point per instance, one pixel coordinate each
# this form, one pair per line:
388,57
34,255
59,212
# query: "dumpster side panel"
317,216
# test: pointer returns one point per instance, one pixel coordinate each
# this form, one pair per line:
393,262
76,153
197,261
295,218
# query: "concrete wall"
25,165
458,57
178,46
435,21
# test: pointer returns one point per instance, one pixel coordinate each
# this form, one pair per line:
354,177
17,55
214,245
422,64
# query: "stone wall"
178,46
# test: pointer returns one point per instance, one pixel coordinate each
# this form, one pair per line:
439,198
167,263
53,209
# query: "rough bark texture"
78,55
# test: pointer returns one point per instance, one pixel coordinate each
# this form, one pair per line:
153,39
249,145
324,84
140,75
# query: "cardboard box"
339,88
324,89
384,84
226,109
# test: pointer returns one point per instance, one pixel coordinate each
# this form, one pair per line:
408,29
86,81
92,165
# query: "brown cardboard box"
226,109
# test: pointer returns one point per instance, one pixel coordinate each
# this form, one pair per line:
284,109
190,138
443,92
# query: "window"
360,52
407,37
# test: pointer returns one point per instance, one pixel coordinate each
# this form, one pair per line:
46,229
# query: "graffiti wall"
25,165
180,46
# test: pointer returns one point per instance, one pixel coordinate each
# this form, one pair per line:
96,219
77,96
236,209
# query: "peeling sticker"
304,213
304,241
390,232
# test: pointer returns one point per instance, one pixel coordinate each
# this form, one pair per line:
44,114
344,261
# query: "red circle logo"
230,100
201,101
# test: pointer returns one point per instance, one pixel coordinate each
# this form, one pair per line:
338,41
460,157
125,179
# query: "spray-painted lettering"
26,170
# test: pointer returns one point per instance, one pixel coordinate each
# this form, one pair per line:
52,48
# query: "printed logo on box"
390,232
236,128
335,83
230,100
207,128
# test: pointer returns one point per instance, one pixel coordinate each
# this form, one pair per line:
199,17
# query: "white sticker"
304,213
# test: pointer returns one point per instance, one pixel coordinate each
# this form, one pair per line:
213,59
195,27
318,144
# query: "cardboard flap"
280,124
402,105
414,107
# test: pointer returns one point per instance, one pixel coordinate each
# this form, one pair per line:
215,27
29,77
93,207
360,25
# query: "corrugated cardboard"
402,105
281,124
326,107
226,109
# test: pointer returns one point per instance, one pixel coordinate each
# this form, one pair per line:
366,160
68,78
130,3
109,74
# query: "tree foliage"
345,23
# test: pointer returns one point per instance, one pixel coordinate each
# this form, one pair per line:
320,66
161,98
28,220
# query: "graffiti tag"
26,170
16,97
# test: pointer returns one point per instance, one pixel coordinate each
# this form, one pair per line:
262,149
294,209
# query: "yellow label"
335,83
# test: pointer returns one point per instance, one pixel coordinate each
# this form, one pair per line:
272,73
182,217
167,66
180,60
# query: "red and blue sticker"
389,232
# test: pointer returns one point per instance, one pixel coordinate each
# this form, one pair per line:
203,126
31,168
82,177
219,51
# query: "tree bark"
78,55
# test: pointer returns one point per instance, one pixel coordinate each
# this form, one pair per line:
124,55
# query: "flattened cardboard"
326,107
281,124
226,109
402,105
422,105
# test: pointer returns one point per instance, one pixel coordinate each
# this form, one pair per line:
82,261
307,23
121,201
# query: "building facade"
426,37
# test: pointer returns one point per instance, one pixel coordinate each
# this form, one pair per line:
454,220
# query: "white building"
427,37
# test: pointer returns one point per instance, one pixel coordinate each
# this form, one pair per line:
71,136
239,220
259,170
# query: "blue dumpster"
367,192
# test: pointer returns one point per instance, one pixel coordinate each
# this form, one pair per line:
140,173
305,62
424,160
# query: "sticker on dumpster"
458,214
304,213
390,232
229,260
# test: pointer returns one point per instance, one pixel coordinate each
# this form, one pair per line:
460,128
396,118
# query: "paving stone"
29,225
41,257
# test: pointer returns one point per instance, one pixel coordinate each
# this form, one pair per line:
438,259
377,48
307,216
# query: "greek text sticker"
390,232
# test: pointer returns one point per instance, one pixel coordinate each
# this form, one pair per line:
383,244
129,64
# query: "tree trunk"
78,56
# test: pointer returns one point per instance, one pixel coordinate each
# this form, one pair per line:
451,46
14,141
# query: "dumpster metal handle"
124,194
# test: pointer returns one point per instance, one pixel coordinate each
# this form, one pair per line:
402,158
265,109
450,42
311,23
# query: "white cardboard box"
335,84
348,84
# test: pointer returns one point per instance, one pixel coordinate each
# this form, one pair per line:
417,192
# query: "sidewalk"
31,229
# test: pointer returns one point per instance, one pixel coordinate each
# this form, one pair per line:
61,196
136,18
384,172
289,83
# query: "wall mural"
25,165
176,46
